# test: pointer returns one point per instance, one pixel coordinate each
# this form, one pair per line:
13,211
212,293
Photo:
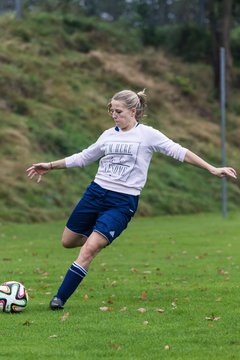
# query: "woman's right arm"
42,168
81,159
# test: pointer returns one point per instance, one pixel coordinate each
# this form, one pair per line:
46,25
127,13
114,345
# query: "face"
124,118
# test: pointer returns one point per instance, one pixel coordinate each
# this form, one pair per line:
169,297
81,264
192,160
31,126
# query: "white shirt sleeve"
87,156
161,143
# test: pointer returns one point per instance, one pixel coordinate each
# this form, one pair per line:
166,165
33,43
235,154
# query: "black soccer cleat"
56,304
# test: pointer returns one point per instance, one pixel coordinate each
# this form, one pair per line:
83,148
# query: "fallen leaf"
141,310
116,346
203,289
145,322
41,272
114,283
103,267
53,336
144,295
134,270
202,256
28,323
106,308
167,347
65,316
174,305
85,297
123,309
160,311
222,272
212,318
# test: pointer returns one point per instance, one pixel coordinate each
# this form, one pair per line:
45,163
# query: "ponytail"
132,100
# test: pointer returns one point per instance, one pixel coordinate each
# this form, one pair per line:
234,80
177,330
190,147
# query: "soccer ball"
13,297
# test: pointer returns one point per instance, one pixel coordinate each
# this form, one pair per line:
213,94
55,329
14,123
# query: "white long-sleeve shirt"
125,157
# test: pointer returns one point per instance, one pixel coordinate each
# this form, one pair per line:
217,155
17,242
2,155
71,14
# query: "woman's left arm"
194,159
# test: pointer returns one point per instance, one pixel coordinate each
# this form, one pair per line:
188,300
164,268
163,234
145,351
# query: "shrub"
190,41
73,23
183,83
235,43
81,43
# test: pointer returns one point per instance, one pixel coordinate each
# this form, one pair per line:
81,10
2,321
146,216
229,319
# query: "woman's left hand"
225,171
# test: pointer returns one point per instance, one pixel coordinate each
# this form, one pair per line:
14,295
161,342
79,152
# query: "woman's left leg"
94,244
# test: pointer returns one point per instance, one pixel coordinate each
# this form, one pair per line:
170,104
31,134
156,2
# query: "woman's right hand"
38,169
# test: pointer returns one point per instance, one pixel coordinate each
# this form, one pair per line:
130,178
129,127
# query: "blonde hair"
132,100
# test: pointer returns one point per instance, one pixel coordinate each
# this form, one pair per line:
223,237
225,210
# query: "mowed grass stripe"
167,288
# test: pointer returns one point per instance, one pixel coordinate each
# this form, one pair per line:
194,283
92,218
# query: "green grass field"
168,288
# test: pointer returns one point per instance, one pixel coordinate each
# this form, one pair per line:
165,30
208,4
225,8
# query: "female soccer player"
110,201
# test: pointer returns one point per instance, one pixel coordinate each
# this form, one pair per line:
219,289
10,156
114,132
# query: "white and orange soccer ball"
13,297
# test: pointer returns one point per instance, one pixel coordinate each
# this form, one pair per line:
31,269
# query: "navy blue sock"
73,277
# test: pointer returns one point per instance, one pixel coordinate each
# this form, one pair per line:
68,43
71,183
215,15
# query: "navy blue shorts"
104,211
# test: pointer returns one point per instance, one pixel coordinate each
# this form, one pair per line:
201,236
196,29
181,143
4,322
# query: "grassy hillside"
57,74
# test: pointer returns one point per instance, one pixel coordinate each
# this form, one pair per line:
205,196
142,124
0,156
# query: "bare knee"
88,251
65,242
71,239
91,248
